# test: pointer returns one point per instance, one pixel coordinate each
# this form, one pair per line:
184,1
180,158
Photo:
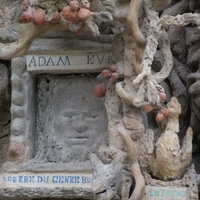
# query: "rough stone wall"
5,118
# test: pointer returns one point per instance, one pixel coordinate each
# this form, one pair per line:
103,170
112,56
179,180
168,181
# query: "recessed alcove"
70,120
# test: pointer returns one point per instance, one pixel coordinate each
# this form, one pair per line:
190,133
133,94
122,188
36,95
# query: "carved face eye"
69,114
90,115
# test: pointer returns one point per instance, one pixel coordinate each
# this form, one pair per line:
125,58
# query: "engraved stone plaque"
69,62
46,179
166,193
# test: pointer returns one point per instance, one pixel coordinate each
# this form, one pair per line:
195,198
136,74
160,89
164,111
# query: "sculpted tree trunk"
140,87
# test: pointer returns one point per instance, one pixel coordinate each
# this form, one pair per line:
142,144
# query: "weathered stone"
15,151
74,119
169,163
58,126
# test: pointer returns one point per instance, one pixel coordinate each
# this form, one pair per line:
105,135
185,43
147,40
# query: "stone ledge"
61,45
83,166
30,193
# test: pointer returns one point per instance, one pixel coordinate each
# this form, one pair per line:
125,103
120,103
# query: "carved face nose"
80,126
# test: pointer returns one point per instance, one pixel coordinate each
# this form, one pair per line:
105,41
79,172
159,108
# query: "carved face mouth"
77,140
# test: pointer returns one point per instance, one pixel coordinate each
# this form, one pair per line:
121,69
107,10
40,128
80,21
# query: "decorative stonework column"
21,148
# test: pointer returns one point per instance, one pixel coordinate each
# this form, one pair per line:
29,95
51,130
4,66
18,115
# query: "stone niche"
56,120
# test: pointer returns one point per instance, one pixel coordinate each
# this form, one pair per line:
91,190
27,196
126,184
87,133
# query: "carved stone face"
79,121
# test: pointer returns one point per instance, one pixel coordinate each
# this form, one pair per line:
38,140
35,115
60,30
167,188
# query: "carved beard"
78,153
73,154
58,154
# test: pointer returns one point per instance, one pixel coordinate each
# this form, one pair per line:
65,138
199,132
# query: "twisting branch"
132,20
145,88
27,33
164,44
145,83
132,150
179,21
32,20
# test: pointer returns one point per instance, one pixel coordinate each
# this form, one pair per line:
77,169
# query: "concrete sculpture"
132,138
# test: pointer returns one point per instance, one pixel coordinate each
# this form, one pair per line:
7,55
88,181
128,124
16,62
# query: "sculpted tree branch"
180,20
132,20
147,89
32,21
26,34
132,150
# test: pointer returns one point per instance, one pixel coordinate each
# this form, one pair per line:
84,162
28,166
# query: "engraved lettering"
180,193
41,61
168,193
25,179
66,179
46,179
61,179
14,179
100,59
31,179
50,61
86,179
55,179
151,193
110,57
20,179
39,179
64,61
32,62
90,59
77,179
71,179
9,178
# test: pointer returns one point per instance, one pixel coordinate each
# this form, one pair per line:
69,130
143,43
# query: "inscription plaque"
166,193
59,179
69,62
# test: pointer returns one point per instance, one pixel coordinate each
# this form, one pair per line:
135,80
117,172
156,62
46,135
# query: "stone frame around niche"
22,141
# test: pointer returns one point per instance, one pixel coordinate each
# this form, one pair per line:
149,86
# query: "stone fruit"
162,96
115,75
100,90
106,73
69,14
165,112
148,108
83,14
39,17
112,68
74,5
159,117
